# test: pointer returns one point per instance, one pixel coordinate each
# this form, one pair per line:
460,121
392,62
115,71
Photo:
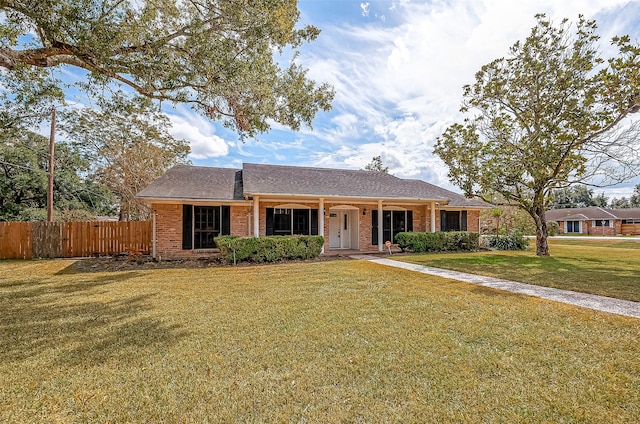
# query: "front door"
339,229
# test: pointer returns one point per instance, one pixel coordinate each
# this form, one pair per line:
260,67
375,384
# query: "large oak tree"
545,117
222,57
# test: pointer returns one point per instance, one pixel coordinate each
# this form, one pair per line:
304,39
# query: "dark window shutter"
409,221
386,226
443,220
314,222
269,221
463,221
187,226
374,227
226,220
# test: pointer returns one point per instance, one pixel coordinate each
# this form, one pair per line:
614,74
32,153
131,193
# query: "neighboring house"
596,221
354,210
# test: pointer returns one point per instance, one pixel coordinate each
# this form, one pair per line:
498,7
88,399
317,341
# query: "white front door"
339,229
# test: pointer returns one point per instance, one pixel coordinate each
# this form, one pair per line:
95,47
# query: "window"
393,222
289,221
202,224
573,227
602,223
453,220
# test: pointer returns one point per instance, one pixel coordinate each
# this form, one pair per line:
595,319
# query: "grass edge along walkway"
591,301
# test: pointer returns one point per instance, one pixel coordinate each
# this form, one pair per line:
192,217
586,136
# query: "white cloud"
199,132
399,86
365,8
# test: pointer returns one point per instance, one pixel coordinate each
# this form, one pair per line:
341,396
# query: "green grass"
602,267
325,342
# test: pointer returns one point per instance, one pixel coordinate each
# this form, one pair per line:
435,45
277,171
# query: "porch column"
321,220
380,233
153,236
433,217
256,216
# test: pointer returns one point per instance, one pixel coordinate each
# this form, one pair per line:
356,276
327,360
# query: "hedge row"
438,242
511,242
269,249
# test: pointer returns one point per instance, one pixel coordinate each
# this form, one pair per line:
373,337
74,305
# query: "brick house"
595,220
353,210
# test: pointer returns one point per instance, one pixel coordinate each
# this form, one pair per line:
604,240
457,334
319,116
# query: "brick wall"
169,231
473,221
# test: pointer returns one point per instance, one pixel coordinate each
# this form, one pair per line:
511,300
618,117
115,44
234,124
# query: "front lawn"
604,267
324,342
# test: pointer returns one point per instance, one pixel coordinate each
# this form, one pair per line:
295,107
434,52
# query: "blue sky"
398,68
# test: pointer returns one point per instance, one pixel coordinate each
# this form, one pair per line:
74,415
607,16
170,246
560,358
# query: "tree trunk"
542,233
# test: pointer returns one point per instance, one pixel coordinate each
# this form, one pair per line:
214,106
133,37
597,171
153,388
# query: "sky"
397,67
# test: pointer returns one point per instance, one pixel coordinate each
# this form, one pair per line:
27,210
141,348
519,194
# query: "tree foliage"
23,182
376,165
577,196
128,143
545,117
632,202
222,57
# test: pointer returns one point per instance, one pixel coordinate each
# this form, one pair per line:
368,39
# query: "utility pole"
51,162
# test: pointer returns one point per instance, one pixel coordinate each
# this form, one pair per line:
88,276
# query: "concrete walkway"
599,303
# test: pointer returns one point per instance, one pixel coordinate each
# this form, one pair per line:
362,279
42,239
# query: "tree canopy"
376,165
222,57
128,144
577,196
23,182
545,117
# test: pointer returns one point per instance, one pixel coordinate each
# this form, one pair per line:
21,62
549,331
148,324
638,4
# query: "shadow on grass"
63,323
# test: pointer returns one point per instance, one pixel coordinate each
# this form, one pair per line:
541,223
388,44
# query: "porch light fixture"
364,211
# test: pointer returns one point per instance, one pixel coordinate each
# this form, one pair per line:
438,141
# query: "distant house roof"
183,182
591,213
631,213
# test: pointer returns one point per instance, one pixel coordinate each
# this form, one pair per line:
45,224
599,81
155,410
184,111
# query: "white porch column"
380,233
321,220
433,217
256,216
153,236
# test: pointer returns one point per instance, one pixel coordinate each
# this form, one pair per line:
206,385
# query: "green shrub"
511,242
268,249
553,228
438,242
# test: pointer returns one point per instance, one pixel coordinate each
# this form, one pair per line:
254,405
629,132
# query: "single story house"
353,210
595,220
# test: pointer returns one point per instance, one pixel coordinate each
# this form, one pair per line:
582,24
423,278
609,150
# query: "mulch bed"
128,263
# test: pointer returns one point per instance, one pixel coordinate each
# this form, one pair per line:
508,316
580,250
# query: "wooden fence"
630,229
26,240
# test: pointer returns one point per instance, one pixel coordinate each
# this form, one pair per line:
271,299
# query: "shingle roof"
196,183
591,213
297,180
455,199
631,213
192,182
